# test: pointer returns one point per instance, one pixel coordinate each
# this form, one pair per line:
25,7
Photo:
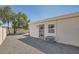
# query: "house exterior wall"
34,29
46,28
2,34
68,31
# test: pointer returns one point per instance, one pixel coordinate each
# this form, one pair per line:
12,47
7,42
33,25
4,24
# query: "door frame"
41,31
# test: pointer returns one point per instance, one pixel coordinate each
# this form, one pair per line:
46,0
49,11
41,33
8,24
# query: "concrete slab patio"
21,44
14,46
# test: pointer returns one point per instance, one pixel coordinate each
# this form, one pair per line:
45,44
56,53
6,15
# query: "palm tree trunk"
14,30
8,28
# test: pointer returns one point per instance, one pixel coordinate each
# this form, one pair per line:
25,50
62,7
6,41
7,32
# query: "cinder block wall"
2,34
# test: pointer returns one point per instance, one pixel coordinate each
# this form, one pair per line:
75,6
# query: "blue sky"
38,12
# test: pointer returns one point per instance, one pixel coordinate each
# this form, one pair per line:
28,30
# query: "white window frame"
51,30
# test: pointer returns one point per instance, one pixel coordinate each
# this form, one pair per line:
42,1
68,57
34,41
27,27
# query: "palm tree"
1,14
14,22
7,12
17,19
20,20
14,25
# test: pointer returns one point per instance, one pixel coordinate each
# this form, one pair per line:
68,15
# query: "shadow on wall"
49,48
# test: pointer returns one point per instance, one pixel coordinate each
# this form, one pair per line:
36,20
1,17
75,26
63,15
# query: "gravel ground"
21,44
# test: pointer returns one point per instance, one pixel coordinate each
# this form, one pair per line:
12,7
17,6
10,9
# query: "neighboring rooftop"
75,14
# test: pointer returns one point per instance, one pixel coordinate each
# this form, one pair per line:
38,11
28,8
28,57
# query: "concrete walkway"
29,45
14,46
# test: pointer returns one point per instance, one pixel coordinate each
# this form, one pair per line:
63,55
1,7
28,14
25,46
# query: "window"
51,28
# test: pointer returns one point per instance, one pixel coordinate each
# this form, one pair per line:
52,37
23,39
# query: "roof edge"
57,17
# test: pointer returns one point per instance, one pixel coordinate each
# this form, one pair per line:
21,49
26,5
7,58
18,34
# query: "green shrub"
1,23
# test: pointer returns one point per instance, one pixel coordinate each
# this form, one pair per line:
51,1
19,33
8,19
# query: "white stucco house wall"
64,28
3,33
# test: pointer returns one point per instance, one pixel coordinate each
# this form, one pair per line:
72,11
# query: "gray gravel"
20,44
